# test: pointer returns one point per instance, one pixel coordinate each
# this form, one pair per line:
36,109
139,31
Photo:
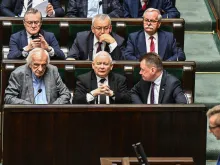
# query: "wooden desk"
81,134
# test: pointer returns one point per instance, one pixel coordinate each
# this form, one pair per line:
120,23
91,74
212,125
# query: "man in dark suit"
86,8
12,8
88,43
36,82
136,8
153,39
22,42
156,86
101,86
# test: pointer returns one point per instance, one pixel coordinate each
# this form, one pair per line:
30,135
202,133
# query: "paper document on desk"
42,8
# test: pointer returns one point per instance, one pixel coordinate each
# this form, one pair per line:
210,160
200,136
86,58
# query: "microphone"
100,3
178,47
38,92
141,156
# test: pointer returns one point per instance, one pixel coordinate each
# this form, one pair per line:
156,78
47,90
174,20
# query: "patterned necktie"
99,47
152,93
144,7
102,97
152,46
29,4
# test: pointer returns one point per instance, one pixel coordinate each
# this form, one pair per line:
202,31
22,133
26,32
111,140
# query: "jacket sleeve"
116,10
135,94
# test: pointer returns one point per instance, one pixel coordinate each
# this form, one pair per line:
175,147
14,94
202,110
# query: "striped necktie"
29,4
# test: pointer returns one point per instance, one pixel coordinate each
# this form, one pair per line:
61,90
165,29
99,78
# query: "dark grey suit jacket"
170,91
79,8
82,47
87,82
20,88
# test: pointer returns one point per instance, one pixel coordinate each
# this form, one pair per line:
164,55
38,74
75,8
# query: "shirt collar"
99,78
158,79
147,36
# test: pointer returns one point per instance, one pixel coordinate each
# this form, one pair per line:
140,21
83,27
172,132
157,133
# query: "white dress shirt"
157,83
94,8
148,41
95,46
90,97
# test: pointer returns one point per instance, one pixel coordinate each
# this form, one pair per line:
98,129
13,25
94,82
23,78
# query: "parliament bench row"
69,70
65,29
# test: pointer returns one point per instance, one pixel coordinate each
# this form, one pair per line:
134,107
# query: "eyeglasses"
151,21
100,28
35,65
32,22
213,127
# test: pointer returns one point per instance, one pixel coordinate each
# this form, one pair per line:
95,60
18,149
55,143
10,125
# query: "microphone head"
39,90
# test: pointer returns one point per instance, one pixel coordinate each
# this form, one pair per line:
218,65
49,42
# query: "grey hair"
37,51
32,11
101,17
156,10
102,53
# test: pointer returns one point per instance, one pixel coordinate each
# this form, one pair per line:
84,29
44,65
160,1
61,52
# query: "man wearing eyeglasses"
213,115
36,82
136,8
22,42
101,37
152,39
17,8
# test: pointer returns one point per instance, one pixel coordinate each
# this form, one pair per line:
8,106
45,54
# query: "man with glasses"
213,115
22,42
152,39
136,8
17,8
101,37
37,82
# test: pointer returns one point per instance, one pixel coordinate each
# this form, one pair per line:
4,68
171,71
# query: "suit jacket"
87,82
131,8
82,47
12,8
79,8
19,40
20,88
167,49
170,91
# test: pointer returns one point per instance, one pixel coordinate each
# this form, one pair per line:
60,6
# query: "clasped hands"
103,89
39,42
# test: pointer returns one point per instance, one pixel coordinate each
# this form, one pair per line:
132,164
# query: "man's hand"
35,43
49,9
104,90
43,43
107,38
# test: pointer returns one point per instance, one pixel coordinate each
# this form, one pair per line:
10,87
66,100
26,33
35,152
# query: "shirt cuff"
51,52
112,46
89,97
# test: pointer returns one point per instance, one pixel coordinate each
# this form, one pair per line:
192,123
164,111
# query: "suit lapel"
90,46
47,85
141,43
24,40
162,87
29,84
94,84
146,90
162,44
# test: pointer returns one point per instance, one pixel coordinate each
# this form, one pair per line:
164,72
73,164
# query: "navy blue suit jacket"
131,8
82,48
79,8
12,8
19,40
167,49
170,91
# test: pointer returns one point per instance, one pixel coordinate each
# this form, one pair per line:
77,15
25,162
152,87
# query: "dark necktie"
152,93
99,47
102,97
152,46
29,4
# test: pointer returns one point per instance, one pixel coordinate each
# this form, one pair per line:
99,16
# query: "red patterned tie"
144,7
99,47
152,46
